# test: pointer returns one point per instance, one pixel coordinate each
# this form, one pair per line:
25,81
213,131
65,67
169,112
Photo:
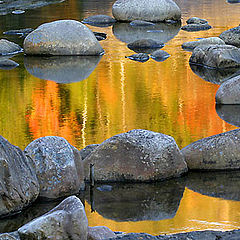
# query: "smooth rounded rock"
218,152
153,11
196,20
9,48
19,185
139,57
193,27
160,55
63,37
87,150
229,92
99,20
145,45
231,36
137,155
58,166
100,233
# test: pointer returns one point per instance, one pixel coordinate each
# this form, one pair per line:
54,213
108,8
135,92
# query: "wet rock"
229,92
100,233
204,41
63,37
99,20
223,185
218,152
193,27
68,220
137,155
231,36
8,48
100,36
135,236
141,23
58,166
61,69
104,188
19,11
144,44
154,11
139,201
9,236
20,32
229,113
139,57
216,76
7,64
160,55
19,186
196,20
216,56
233,1
160,32
87,150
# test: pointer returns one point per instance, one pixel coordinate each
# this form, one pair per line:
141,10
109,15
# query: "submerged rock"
61,69
231,36
68,220
99,20
137,155
63,37
218,152
160,55
216,56
229,113
58,166
154,11
196,20
204,41
229,92
9,48
19,186
140,46
193,27
9,236
139,202
100,233
139,57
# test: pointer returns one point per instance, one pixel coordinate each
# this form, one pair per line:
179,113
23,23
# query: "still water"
87,100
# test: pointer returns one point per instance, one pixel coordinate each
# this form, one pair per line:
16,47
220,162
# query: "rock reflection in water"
160,32
215,184
62,69
229,113
138,202
6,63
216,76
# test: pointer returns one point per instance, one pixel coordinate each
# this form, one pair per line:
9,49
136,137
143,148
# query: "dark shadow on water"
229,113
160,32
138,202
215,184
61,69
216,76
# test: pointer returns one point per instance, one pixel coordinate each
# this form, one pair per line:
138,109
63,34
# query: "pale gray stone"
8,48
100,233
231,36
196,20
160,55
193,27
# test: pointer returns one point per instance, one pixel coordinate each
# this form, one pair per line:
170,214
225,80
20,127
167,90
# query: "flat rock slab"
231,36
218,152
138,155
63,37
153,11
216,56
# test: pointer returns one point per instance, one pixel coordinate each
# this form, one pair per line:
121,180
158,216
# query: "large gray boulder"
218,152
68,220
19,186
216,56
137,155
58,166
231,36
229,92
7,47
63,37
153,11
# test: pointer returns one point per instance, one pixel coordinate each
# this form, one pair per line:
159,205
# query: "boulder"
140,46
9,48
137,155
63,37
99,20
58,166
87,150
218,152
216,56
160,55
138,201
68,220
203,41
19,186
196,20
231,36
141,23
229,113
61,69
100,233
139,57
153,11
229,92
193,27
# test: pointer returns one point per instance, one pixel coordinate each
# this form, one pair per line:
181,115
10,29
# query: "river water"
87,100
